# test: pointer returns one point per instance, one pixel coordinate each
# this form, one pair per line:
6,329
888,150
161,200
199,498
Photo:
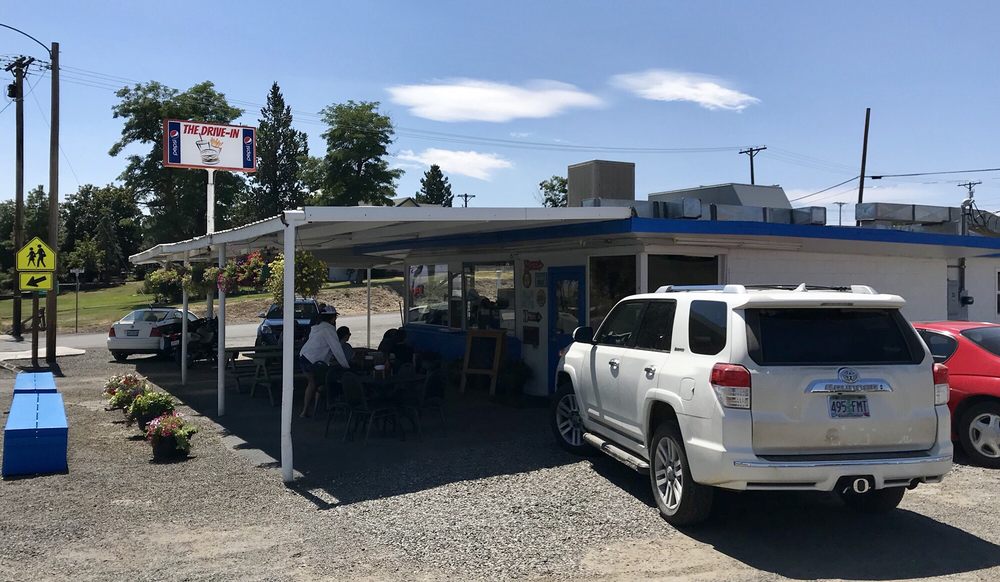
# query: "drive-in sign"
209,146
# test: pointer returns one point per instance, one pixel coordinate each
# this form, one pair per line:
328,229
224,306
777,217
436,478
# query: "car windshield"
302,311
837,336
987,338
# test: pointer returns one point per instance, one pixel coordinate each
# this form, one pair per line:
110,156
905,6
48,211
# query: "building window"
682,270
489,296
611,280
429,288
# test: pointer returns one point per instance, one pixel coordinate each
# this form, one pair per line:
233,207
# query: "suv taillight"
731,383
942,390
111,332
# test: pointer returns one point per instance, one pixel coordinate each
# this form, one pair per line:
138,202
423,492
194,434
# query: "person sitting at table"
344,333
323,343
401,351
388,341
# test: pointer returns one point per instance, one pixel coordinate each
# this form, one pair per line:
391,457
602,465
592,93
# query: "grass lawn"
101,307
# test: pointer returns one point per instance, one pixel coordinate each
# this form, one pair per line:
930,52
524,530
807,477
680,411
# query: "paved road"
236,334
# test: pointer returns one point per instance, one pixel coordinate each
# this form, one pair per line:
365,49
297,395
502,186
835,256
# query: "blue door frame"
557,340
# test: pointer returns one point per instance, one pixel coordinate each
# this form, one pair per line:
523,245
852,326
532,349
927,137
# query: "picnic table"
264,366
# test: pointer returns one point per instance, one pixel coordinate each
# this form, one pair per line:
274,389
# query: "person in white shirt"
323,343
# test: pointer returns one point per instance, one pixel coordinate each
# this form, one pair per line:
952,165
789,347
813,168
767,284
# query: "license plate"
849,407
132,333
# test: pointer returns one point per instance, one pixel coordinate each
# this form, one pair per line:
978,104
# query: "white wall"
922,282
981,282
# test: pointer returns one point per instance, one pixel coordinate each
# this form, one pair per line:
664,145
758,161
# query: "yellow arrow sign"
36,256
35,281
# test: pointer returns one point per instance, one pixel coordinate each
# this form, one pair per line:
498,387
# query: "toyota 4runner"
758,388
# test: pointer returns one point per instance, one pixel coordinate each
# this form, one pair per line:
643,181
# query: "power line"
880,176
824,190
61,150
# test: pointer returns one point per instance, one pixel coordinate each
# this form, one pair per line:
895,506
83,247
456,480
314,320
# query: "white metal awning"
349,236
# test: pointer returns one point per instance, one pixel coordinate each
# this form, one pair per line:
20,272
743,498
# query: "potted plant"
148,406
122,389
310,275
170,436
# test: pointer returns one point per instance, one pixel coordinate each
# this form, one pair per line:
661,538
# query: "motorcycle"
203,341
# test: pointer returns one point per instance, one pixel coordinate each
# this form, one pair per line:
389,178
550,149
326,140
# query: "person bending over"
323,343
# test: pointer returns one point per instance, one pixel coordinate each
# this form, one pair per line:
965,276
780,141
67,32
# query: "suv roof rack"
860,289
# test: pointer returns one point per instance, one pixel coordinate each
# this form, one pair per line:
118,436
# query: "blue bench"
28,382
36,435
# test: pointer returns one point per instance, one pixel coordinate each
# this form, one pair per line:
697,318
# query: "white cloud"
521,134
466,163
477,100
661,85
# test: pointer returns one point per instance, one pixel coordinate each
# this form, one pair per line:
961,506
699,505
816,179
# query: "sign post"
211,147
36,265
77,271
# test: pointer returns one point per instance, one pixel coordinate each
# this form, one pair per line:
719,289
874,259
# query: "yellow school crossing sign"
36,256
36,262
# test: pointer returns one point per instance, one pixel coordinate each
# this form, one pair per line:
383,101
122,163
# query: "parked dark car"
971,350
269,331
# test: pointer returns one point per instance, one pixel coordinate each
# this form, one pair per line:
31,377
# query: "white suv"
751,388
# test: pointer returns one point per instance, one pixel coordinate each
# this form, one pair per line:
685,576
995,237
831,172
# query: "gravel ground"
490,499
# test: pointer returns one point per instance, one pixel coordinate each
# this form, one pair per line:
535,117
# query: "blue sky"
795,76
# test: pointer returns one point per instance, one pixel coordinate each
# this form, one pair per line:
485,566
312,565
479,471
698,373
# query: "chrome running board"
622,456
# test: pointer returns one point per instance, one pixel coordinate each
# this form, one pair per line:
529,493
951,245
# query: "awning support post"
369,307
184,331
287,352
221,336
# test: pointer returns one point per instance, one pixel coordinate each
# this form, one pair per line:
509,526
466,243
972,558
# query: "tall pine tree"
434,188
281,151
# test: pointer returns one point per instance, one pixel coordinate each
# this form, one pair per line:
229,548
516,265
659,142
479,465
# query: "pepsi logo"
247,139
174,133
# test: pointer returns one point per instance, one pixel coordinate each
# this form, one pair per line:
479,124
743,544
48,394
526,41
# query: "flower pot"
165,449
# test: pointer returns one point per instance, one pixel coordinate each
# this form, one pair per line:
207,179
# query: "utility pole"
963,293
840,213
751,151
50,299
465,199
16,92
864,160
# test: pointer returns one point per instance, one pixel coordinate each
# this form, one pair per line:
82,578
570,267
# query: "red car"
971,350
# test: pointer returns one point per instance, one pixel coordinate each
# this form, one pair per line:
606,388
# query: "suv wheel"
119,356
878,501
681,501
979,431
566,422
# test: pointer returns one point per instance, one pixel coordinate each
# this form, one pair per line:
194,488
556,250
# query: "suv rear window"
831,336
987,338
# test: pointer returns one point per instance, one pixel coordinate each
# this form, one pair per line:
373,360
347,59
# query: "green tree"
553,192
89,256
109,215
357,142
281,150
312,174
175,197
36,214
434,188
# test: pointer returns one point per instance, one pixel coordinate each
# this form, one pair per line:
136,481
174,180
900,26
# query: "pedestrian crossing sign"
36,256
